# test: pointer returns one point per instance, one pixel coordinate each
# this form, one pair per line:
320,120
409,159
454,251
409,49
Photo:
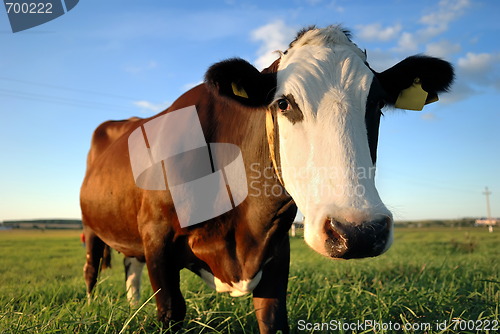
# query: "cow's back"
112,205
108,188
106,133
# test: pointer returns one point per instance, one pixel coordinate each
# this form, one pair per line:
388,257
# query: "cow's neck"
246,128
248,230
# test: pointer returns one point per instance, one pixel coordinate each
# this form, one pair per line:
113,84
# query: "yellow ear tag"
239,91
412,98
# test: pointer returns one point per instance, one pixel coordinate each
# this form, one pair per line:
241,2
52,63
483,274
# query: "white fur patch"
133,281
325,159
235,289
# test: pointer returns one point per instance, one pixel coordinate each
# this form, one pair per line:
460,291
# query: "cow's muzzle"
349,241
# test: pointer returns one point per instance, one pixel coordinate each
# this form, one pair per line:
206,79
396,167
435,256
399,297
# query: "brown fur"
143,224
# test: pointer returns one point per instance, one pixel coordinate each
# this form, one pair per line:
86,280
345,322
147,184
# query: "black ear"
240,81
433,75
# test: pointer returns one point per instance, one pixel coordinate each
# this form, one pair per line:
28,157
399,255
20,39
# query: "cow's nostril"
347,241
336,244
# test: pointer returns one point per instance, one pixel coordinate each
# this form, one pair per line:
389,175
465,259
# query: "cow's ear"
416,81
240,81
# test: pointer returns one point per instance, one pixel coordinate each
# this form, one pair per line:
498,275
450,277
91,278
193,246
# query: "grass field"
432,280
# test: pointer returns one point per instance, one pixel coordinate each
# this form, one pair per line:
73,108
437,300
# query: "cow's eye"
283,105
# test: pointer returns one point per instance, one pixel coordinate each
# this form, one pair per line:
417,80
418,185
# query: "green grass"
429,276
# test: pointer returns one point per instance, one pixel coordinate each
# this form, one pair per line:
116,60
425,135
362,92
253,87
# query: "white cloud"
434,24
478,63
274,36
459,91
442,49
381,60
336,7
476,73
437,22
150,107
480,69
375,32
407,43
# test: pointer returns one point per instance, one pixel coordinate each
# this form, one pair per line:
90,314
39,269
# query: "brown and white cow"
312,119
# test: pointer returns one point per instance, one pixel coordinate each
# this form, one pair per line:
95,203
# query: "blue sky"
115,59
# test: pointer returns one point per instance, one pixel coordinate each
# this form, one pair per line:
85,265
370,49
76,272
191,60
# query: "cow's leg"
133,273
164,276
269,297
106,257
95,249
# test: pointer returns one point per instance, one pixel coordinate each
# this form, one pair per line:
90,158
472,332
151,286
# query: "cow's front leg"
269,297
164,277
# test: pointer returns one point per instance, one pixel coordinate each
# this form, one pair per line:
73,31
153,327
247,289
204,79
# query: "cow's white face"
323,85
325,102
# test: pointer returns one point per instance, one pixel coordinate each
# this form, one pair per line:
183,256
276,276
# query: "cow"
307,127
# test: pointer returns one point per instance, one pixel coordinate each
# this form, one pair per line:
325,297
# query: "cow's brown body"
142,223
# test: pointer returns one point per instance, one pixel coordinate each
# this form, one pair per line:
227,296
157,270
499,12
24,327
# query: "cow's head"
326,103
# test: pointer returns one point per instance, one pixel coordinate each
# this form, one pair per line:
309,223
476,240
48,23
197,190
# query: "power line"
85,91
63,101
487,193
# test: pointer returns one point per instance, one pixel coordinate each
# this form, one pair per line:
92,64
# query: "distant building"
297,225
43,224
3,226
487,222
